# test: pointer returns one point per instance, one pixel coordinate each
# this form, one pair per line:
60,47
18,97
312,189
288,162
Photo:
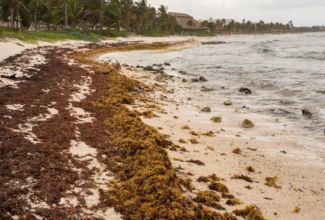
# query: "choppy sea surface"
286,74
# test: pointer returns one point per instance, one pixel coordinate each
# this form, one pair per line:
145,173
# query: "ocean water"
286,74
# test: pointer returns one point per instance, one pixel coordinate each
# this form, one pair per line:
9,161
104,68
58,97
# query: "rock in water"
182,72
247,124
194,80
246,90
184,80
148,68
206,109
202,79
227,103
167,64
306,113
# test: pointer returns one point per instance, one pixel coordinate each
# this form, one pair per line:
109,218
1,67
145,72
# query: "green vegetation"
48,36
86,18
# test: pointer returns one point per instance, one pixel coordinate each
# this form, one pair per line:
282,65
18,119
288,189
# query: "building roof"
182,19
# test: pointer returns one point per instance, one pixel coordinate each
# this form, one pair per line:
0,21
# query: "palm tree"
165,22
162,12
95,12
128,9
115,14
34,6
143,11
224,22
212,27
204,23
75,13
243,26
218,24
60,13
13,5
290,23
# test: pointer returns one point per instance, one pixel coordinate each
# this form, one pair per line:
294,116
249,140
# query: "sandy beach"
49,104
266,147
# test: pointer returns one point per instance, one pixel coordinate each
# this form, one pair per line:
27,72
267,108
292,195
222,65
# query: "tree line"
246,26
128,15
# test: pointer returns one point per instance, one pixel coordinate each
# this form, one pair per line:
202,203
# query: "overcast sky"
301,12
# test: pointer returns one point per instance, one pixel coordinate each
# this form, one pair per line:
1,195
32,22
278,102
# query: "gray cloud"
302,12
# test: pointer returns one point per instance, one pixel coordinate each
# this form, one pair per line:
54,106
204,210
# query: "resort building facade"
189,27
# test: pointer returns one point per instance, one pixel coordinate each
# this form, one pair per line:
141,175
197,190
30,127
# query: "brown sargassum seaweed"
149,188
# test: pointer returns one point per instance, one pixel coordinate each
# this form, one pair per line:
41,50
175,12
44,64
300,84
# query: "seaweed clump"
250,212
216,119
148,114
237,151
203,179
182,141
210,178
271,182
250,169
233,202
193,133
173,148
149,187
198,162
296,210
247,124
219,187
210,199
194,141
209,134
242,177
249,187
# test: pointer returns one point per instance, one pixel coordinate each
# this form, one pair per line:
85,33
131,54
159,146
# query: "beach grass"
48,36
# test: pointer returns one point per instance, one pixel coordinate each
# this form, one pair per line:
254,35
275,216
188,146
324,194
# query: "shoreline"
284,161
224,142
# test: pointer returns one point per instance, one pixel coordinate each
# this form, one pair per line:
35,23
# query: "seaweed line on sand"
146,185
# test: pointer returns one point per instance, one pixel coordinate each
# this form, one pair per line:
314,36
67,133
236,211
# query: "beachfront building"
189,24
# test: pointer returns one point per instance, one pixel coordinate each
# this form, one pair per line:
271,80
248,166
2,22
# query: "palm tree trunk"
35,19
65,14
11,17
140,24
33,25
101,25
